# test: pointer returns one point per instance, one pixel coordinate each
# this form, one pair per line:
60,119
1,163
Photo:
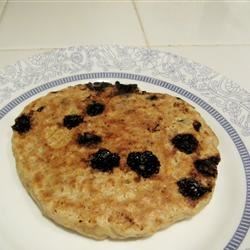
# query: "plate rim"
227,95
244,224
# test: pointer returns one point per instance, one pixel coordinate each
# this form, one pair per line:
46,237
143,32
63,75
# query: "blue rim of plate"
244,224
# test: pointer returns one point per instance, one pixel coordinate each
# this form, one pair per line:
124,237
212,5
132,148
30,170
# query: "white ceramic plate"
222,224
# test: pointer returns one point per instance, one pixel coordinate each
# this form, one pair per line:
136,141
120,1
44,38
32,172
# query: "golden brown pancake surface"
113,161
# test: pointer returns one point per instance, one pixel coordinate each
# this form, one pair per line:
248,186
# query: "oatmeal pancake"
111,161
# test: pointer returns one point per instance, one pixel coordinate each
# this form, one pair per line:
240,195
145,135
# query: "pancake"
111,161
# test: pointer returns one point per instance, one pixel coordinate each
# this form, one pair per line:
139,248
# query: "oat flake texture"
119,202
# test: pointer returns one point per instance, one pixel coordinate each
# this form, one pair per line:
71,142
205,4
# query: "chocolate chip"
88,139
197,125
71,121
126,88
208,166
22,124
95,108
144,163
186,143
98,86
191,188
104,160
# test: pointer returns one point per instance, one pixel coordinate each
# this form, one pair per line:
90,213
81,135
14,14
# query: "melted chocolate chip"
22,124
186,143
208,167
104,160
191,188
95,108
71,121
144,163
125,88
98,86
197,125
40,109
88,139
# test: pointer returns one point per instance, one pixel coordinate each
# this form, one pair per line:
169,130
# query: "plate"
222,224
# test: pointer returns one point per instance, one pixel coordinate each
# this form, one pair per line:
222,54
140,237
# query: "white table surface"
214,33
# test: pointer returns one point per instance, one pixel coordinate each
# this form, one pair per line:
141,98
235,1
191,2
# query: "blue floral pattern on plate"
226,95
244,224
44,71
